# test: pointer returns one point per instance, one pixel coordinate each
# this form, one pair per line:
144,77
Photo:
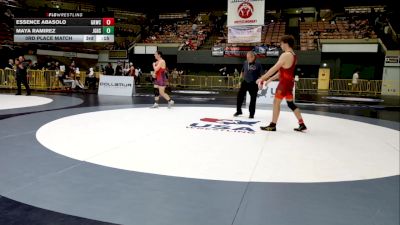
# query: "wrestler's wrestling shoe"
301,128
170,103
270,127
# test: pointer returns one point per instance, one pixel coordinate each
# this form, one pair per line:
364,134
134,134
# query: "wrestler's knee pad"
291,105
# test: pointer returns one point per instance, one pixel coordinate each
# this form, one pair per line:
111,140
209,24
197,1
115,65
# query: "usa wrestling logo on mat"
236,126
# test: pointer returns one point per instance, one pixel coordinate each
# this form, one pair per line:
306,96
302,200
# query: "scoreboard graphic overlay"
64,27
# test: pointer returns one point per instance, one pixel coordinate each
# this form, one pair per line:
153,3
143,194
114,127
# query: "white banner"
116,85
267,94
246,12
244,34
391,81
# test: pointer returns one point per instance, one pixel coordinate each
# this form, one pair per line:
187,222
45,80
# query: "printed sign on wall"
246,12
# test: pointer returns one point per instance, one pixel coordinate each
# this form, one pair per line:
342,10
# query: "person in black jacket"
118,69
109,69
22,75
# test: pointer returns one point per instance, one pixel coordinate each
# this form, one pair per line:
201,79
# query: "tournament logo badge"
245,10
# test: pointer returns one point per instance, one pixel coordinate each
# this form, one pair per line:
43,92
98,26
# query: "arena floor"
88,159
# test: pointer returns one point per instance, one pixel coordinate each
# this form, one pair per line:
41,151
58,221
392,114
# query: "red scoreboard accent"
108,22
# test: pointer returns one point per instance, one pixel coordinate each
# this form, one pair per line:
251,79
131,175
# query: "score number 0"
108,21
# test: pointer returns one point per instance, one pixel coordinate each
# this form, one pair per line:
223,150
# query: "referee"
21,72
251,71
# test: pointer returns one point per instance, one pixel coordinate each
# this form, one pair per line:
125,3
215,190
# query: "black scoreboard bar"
62,22
64,30
64,27
63,38
41,14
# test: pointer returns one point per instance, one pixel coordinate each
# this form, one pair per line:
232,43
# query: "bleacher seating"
181,34
6,20
125,30
310,32
273,33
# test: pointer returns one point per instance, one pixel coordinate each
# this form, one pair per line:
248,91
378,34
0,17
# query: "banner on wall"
260,51
116,85
390,77
248,34
272,52
392,60
237,51
391,81
217,51
246,12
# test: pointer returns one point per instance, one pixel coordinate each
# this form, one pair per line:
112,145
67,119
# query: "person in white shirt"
126,70
354,82
91,79
77,84
137,76
10,65
194,29
91,73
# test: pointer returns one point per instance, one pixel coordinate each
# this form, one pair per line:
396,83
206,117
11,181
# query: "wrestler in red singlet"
160,81
286,83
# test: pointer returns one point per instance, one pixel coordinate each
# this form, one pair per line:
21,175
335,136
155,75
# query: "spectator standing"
10,64
72,68
126,70
91,79
356,76
137,76
118,69
56,66
175,75
236,73
61,74
109,69
102,69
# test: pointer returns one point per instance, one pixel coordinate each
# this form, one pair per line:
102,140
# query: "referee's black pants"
252,88
23,80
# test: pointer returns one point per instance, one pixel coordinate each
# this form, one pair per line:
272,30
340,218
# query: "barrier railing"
363,87
193,81
307,84
38,79
376,86
48,80
7,78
